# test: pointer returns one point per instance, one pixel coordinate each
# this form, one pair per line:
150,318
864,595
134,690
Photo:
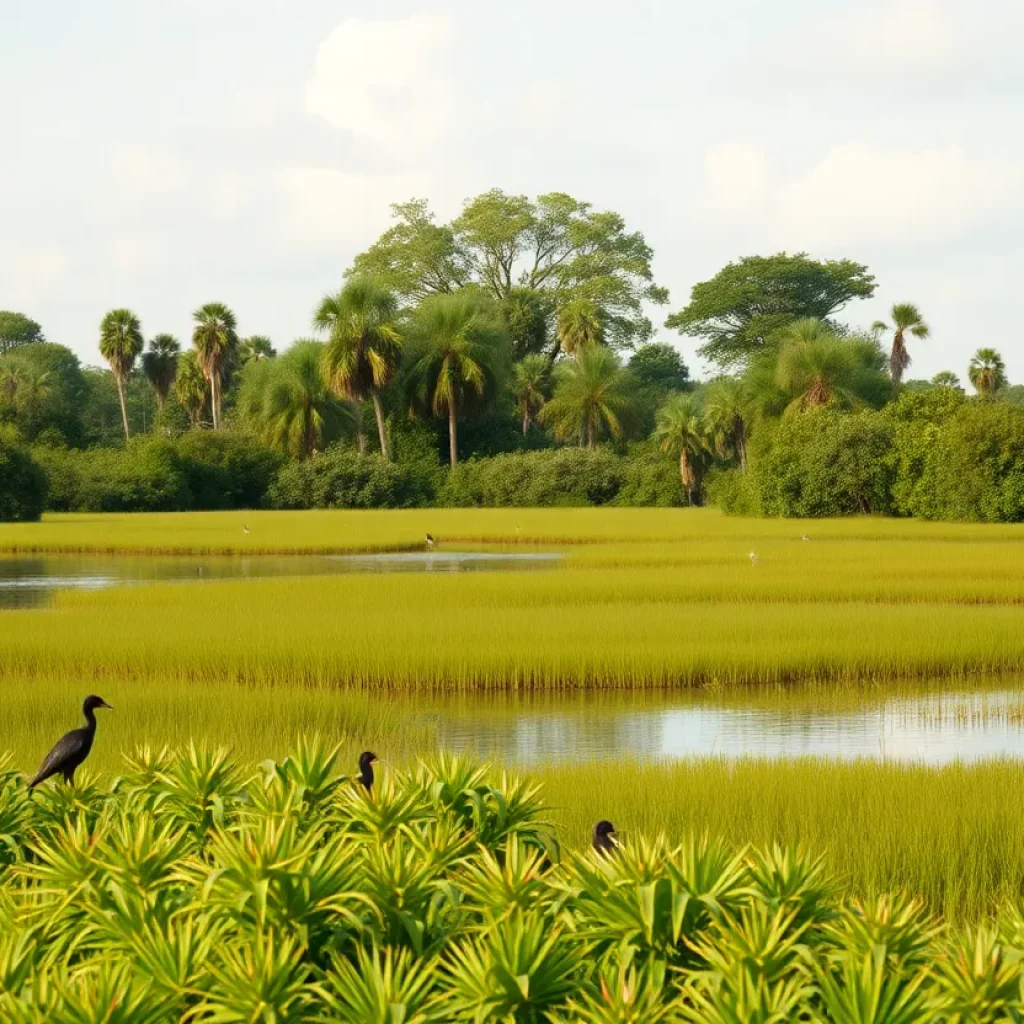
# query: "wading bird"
72,749
430,542
367,759
805,537
246,530
604,841
753,558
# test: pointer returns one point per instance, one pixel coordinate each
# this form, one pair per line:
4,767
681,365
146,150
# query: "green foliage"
595,397
341,478
659,365
225,470
54,391
739,310
191,388
531,380
987,372
527,313
443,897
680,431
160,365
215,339
16,330
101,408
22,481
906,319
555,247
823,463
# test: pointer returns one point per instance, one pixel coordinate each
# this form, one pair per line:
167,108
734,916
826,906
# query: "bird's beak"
107,706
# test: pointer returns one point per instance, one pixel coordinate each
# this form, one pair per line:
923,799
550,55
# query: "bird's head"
366,758
92,702
604,828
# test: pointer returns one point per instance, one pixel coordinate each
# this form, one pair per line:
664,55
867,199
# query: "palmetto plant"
531,379
160,365
681,430
906,319
191,387
578,326
120,344
364,343
215,337
191,888
987,371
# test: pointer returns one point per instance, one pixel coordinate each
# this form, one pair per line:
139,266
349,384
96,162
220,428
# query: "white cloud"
861,192
341,210
734,176
387,81
30,273
145,171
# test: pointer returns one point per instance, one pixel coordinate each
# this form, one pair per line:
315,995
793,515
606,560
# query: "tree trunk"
590,436
124,408
215,398
453,434
381,432
526,420
741,445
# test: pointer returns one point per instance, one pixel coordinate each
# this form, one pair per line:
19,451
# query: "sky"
163,155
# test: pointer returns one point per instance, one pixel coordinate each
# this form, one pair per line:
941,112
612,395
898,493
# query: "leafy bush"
341,478
823,463
973,467
650,479
194,889
22,482
736,493
224,470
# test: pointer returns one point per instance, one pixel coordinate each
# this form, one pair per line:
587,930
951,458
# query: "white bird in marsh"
805,537
246,530
753,558
430,542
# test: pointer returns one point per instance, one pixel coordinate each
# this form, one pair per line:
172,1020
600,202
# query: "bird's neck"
90,719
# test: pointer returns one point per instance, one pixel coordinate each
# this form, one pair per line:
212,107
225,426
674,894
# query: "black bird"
366,763
72,749
603,841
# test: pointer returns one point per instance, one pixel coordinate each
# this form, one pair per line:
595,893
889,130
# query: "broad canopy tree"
17,330
742,308
555,246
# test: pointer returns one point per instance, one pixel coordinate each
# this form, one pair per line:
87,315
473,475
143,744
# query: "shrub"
650,479
736,493
974,467
22,482
823,463
341,478
224,470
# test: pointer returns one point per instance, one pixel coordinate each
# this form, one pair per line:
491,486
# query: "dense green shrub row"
933,454
193,889
22,482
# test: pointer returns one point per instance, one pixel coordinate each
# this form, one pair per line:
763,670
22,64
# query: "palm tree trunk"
741,445
215,398
381,432
453,434
526,420
590,435
124,407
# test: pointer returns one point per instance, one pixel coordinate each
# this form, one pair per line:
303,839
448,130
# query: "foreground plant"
192,888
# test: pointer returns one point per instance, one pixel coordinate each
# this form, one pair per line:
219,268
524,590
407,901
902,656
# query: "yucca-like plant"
865,989
978,980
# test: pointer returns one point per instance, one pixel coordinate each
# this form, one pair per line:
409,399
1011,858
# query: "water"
932,728
31,581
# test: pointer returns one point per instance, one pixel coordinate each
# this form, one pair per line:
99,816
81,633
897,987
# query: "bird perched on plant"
604,841
753,558
73,748
430,542
367,759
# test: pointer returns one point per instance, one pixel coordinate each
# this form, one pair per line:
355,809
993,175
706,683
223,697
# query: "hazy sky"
159,155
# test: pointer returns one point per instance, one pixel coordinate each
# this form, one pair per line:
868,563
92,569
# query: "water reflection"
27,582
930,728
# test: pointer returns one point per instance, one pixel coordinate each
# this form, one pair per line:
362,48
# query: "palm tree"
120,344
906,319
255,349
594,394
530,381
365,343
726,412
215,338
191,387
578,327
819,373
11,378
805,332
289,403
679,431
160,365
461,356
946,379
987,372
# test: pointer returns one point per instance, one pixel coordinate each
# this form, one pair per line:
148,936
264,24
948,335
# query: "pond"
933,728
31,581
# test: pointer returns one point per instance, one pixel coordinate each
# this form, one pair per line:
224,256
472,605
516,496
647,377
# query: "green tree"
191,387
946,379
906,319
459,358
659,365
527,314
579,327
255,349
727,405
530,381
215,337
16,330
160,364
679,430
289,403
555,246
987,372
738,311
365,345
594,396
120,344
62,408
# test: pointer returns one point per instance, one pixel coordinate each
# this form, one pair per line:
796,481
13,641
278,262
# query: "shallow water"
932,728
31,581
